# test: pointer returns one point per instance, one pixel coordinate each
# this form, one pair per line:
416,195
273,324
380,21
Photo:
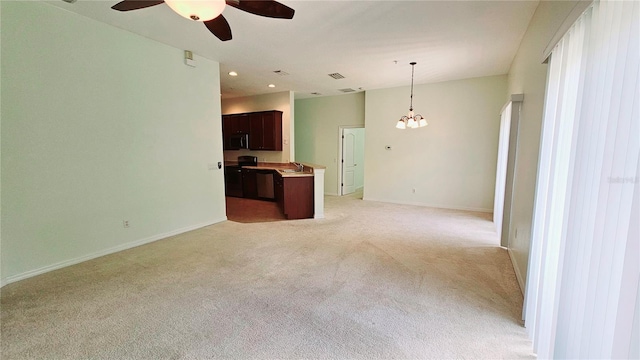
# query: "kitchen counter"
309,170
283,169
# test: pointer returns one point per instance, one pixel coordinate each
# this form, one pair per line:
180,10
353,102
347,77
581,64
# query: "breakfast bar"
298,188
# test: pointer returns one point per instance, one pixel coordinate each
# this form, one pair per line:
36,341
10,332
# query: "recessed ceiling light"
233,73
271,86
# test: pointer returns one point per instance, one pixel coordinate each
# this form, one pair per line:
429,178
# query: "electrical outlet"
125,223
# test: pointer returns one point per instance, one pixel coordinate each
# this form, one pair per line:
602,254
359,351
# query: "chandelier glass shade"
197,10
411,120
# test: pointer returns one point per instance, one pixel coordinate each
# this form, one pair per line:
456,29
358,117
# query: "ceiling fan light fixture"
197,10
209,12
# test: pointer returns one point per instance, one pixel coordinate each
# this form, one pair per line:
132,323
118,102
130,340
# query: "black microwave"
239,141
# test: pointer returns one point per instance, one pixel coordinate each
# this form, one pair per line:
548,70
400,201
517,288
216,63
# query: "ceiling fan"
210,11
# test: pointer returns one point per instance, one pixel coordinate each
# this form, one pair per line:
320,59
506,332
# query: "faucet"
299,166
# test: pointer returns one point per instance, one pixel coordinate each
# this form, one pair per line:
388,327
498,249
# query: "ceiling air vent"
315,93
348,90
336,76
70,1
281,73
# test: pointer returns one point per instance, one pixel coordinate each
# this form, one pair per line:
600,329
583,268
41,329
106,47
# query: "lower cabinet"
278,190
294,196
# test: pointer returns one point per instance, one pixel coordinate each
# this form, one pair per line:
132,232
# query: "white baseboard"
463,208
516,269
111,250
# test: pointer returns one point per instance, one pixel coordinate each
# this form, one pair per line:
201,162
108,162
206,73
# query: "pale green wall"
282,101
317,130
528,76
451,163
99,125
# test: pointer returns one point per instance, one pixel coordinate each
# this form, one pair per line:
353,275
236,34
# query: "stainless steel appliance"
238,141
233,181
264,179
247,160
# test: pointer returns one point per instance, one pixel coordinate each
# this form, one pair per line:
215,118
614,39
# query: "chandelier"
411,120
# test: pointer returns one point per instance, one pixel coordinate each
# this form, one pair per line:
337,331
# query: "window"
582,293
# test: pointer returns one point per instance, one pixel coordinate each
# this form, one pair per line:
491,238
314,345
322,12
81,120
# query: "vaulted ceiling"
370,43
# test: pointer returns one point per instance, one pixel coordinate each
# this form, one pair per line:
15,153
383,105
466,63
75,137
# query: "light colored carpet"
372,280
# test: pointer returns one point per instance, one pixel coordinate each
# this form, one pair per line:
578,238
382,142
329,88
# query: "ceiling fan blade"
219,27
268,8
128,5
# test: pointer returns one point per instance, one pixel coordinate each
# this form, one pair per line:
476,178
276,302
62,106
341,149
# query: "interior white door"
348,161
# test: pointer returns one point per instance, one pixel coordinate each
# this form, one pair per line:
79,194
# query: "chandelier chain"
411,101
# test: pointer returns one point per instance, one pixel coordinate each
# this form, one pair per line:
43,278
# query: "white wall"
318,121
282,101
99,126
528,76
451,163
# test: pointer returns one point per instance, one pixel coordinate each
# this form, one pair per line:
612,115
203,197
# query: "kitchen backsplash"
263,156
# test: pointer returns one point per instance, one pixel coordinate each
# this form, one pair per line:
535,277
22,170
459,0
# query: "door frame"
339,163
510,174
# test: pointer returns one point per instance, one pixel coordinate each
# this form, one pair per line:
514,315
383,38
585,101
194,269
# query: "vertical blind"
582,293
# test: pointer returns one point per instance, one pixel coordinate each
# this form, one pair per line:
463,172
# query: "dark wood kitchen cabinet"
265,130
278,190
294,196
233,124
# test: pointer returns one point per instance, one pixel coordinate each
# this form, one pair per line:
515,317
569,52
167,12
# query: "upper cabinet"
235,124
265,130
232,126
